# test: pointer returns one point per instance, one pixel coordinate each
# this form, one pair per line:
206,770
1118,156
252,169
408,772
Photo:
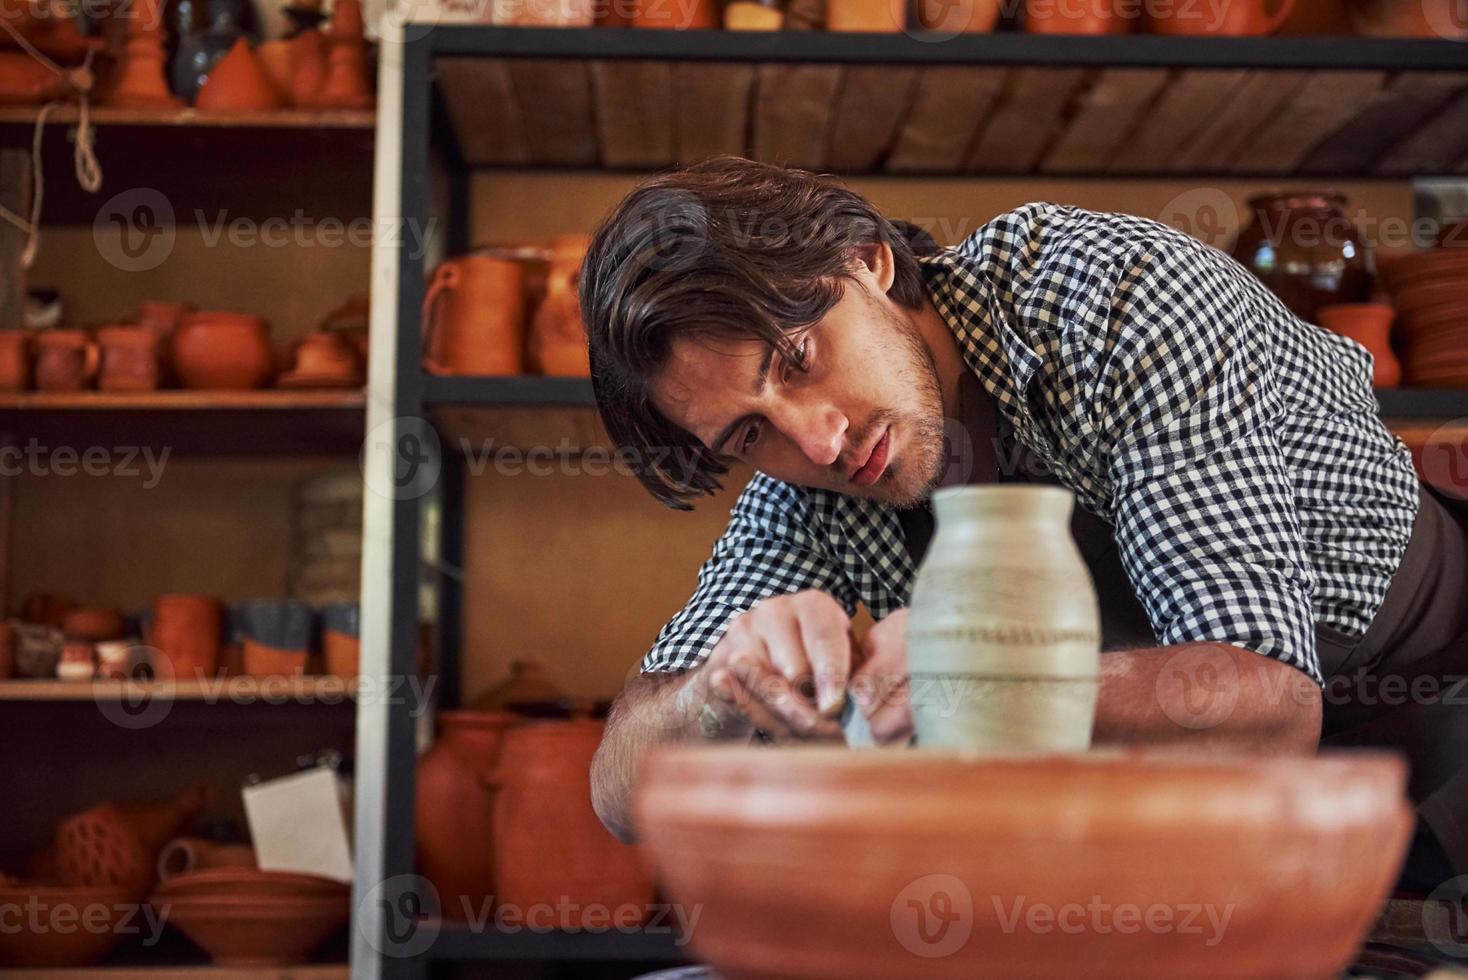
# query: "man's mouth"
871,471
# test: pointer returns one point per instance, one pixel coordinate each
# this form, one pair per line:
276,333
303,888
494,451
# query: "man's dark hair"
727,249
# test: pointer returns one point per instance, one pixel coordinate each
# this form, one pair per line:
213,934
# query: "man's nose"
818,428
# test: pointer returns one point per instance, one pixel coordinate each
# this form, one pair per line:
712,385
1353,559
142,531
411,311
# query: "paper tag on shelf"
297,824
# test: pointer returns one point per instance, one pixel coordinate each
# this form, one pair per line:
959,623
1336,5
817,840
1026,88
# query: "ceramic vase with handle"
474,317
1003,635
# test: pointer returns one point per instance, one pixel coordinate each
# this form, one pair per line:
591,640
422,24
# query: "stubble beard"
910,480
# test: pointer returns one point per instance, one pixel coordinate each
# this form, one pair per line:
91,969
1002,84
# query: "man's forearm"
1207,696
654,709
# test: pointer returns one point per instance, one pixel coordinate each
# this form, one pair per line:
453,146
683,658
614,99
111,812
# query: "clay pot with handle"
129,358
474,317
1238,18
1305,248
455,809
550,848
66,360
557,335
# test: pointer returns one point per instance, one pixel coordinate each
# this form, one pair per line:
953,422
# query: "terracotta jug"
1368,324
66,360
238,84
15,360
186,632
1304,247
455,809
1237,18
867,16
474,317
215,350
1003,634
129,358
550,849
557,335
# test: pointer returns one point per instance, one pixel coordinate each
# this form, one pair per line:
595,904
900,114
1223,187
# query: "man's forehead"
700,364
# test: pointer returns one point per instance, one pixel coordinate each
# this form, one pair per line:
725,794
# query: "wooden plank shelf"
303,119
509,391
227,690
191,423
160,972
1006,103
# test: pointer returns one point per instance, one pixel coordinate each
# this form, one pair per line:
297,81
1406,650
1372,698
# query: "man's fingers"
781,636
767,689
825,632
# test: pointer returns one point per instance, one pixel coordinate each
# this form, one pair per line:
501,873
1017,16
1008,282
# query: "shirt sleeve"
770,547
1185,408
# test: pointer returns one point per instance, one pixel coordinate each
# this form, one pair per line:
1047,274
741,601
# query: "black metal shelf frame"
401,396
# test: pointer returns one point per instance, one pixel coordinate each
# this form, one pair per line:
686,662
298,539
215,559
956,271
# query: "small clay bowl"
254,931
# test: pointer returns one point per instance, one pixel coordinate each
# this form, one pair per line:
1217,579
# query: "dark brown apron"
1404,684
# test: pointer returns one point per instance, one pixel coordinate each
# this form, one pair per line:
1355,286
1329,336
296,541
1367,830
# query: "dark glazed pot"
1303,246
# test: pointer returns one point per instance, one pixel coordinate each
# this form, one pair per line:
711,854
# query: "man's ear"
876,265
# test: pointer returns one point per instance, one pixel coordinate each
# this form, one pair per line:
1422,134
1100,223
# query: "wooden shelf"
456,942
364,119
523,390
193,423
308,972
1006,103
232,690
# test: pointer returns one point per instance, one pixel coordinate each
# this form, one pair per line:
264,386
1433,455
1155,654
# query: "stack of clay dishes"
251,918
829,864
1430,291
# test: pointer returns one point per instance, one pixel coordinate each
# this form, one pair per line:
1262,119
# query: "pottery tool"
854,724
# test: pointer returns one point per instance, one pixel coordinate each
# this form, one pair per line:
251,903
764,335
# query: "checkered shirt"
1234,449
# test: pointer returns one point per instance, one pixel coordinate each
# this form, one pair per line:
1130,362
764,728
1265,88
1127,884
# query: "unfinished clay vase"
1003,635
346,85
239,83
828,864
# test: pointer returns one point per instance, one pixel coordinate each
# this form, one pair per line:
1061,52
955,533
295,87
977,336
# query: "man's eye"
750,437
801,361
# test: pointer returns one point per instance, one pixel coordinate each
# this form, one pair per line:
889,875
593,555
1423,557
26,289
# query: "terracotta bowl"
258,932
827,863
35,944
252,883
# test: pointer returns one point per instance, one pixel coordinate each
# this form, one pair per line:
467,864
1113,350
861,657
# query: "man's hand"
782,667
879,683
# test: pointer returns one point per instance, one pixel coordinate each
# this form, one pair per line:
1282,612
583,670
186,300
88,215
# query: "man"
1252,527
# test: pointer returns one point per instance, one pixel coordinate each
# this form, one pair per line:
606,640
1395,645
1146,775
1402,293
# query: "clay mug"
474,317
129,358
1003,633
15,360
222,351
1368,324
1074,17
557,335
1239,18
341,628
186,634
958,16
66,360
277,636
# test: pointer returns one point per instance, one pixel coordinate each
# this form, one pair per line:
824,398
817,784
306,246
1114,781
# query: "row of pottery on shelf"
504,819
1429,288
507,311
186,637
833,864
209,351
105,857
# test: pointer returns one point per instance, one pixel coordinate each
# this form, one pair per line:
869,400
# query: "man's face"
864,416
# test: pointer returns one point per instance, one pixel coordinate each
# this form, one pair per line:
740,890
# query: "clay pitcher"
550,849
557,335
455,809
1003,635
66,360
474,317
